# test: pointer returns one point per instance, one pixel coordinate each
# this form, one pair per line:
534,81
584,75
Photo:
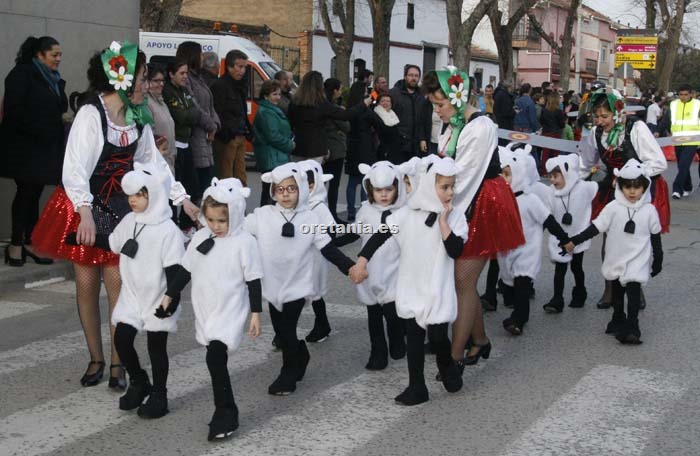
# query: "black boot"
450,371
617,324
322,328
139,388
578,297
396,329
286,381
489,301
413,395
155,406
303,358
630,334
379,352
223,423
555,305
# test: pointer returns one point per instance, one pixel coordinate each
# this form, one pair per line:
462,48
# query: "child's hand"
446,211
569,246
358,274
254,328
167,300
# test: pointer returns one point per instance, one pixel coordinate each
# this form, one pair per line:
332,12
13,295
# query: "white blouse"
84,147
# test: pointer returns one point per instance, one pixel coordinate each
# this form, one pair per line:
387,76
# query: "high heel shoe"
14,262
37,259
94,378
484,352
119,382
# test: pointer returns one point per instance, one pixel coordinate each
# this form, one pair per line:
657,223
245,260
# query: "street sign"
636,32
639,64
637,40
623,48
632,56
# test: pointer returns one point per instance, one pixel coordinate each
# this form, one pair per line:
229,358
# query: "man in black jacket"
230,93
409,106
503,107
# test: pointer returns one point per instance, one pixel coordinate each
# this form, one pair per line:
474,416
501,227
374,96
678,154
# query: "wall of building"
81,26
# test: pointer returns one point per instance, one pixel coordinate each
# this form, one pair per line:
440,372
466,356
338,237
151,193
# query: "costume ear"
245,192
214,181
364,168
510,145
267,178
528,148
326,177
616,172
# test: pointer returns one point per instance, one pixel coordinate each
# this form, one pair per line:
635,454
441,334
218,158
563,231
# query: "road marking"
9,309
59,422
63,286
613,410
42,283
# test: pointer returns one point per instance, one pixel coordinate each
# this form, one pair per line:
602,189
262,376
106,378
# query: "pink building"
593,40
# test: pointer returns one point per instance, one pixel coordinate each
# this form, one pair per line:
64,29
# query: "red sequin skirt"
58,220
660,200
495,224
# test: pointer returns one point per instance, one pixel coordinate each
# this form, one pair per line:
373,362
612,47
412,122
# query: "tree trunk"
381,26
650,9
670,45
565,50
462,33
159,15
341,47
503,35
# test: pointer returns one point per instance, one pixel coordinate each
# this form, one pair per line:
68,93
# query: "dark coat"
308,124
32,132
389,141
413,126
360,143
231,106
552,121
503,108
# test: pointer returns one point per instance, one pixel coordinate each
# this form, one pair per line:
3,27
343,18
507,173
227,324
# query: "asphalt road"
563,388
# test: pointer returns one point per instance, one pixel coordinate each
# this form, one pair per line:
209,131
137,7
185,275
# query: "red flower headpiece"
117,62
455,80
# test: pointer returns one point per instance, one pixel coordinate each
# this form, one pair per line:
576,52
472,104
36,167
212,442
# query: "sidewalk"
31,274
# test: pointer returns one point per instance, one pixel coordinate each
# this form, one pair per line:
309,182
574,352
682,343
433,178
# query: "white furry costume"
628,256
287,261
380,286
577,195
219,293
425,287
160,245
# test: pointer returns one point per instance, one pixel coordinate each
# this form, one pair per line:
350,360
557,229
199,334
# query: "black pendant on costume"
385,214
288,229
430,220
630,227
130,248
567,219
206,245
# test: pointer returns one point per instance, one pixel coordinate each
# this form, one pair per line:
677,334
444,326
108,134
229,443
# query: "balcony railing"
525,37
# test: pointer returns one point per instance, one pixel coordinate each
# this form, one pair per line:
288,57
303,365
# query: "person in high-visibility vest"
685,120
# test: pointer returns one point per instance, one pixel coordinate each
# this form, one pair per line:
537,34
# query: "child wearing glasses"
287,250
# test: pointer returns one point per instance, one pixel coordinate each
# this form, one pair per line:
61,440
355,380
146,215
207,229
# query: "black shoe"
276,343
555,305
602,304
397,346
37,259
451,376
14,262
578,297
512,326
304,358
489,302
484,352
155,406
139,388
119,382
286,381
617,323
223,423
630,334
413,395
94,378
378,360
318,333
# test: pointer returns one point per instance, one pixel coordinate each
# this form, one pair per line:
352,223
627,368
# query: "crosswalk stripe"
613,410
56,423
9,309
43,351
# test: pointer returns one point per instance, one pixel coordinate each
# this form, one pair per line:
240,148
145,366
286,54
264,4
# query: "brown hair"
552,103
369,188
310,91
431,84
269,86
210,202
556,170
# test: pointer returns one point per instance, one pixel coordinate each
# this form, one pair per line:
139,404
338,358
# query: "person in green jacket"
185,112
273,135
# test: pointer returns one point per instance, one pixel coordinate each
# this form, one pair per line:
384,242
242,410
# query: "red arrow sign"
635,48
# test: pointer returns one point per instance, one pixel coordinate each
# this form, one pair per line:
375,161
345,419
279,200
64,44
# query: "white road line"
43,351
59,422
9,309
41,283
613,410
62,286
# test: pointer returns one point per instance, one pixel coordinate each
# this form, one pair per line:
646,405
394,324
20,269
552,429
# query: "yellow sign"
632,56
639,64
637,40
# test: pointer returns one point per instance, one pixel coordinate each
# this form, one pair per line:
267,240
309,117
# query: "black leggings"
334,167
186,174
576,270
633,291
285,323
217,363
157,342
492,278
415,351
25,211
519,296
